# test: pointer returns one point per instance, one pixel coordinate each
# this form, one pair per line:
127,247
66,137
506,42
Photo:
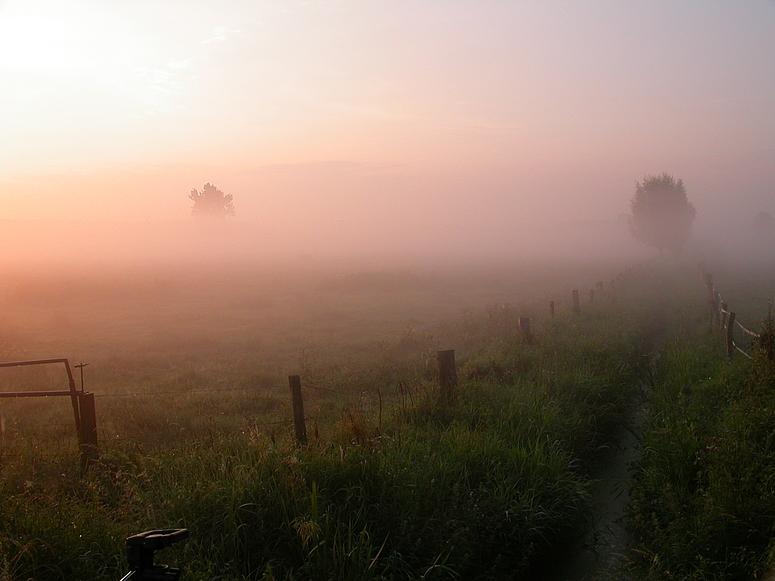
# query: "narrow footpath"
604,552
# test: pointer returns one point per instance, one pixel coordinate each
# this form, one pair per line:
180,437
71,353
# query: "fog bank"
90,243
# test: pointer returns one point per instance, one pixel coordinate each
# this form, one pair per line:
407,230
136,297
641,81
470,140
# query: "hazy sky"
384,116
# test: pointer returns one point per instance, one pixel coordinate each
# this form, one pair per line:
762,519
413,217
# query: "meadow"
703,494
220,340
189,366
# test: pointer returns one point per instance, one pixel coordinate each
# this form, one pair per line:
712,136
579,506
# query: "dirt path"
604,550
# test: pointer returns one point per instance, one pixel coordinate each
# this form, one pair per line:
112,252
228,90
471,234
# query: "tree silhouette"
211,203
662,216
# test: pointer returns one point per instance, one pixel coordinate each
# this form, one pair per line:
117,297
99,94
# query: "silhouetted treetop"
662,216
211,203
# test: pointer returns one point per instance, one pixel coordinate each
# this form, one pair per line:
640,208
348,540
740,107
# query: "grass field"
185,333
703,500
190,369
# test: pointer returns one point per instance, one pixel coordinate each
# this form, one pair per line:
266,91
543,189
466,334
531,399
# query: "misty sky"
384,117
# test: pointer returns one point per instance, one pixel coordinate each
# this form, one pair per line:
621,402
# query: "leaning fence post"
712,305
527,332
551,308
88,431
731,335
447,374
298,410
576,306
723,316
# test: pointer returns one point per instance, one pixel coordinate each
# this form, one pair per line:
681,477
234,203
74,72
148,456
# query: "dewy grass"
395,485
703,501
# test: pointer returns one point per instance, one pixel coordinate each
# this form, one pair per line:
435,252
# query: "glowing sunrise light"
82,85
30,44
549,110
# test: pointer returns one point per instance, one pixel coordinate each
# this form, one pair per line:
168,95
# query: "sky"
400,123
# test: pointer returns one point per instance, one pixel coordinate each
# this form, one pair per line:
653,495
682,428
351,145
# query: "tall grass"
705,486
395,484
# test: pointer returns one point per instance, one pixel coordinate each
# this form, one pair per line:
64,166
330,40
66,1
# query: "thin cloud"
181,65
312,167
221,34
329,167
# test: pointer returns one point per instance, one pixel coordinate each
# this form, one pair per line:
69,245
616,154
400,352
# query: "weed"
395,484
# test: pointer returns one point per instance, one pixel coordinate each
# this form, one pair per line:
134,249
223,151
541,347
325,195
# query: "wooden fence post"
447,374
527,332
712,306
723,316
88,429
591,295
576,306
551,308
731,335
298,410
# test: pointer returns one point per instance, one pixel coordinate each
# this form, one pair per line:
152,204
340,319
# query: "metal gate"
82,402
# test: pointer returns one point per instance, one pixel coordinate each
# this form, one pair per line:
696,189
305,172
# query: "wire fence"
726,319
214,390
66,432
217,391
181,392
353,399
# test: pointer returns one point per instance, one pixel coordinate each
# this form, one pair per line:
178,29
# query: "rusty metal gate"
82,402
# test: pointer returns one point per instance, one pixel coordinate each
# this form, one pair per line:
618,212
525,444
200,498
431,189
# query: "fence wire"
213,391
741,351
747,331
717,301
182,391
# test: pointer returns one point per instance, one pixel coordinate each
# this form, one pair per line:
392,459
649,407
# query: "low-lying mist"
202,289
53,244
160,294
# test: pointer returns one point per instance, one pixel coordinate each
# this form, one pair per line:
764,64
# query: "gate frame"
82,402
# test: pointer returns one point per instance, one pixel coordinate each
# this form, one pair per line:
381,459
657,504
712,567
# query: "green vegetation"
704,495
193,414
394,485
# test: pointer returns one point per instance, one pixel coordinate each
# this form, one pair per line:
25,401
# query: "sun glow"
30,44
77,40
73,81
522,104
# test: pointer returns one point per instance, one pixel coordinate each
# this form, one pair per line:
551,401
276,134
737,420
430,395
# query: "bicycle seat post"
140,554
